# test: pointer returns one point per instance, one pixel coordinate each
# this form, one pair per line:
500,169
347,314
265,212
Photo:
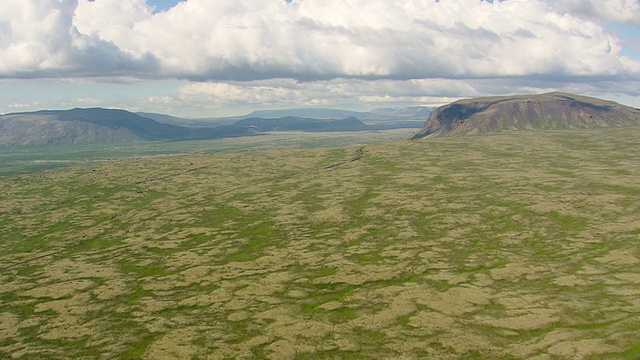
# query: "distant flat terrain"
511,245
16,160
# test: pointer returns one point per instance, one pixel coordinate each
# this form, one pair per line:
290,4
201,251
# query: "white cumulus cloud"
320,39
313,39
38,38
325,52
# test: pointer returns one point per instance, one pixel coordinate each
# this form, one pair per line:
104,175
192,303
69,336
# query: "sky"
207,58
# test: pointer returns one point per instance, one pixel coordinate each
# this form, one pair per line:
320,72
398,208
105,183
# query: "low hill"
554,110
99,125
105,125
142,127
165,119
291,123
22,129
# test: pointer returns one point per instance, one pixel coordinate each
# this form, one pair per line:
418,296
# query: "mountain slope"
98,125
143,127
554,110
48,129
291,123
105,125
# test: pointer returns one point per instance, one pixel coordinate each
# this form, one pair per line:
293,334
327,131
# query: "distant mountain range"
396,117
554,110
469,116
394,113
292,123
100,125
401,112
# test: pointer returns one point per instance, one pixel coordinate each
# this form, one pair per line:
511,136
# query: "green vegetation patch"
508,246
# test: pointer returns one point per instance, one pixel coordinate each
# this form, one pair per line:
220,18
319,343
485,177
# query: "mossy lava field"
507,246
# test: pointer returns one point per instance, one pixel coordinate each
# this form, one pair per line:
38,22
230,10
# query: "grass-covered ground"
521,245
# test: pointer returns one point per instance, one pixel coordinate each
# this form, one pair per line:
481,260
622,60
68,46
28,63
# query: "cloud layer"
314,39
38,38
276,53
623,11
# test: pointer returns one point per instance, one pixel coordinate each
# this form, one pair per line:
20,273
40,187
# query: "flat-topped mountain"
554,110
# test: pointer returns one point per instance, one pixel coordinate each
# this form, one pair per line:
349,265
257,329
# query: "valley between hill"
511,245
